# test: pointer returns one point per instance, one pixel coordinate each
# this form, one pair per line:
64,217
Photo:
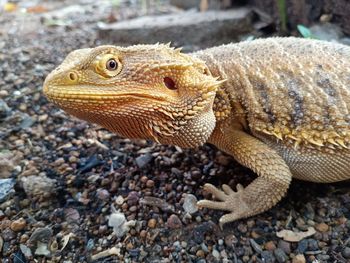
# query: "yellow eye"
112,64
108,65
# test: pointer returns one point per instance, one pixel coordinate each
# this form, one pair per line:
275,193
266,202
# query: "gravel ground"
73,192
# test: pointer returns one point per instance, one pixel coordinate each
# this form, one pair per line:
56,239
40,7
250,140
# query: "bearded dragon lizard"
279,106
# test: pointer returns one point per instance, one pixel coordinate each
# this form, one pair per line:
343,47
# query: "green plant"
282,12
305,32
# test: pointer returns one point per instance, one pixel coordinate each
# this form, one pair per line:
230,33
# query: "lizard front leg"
264,192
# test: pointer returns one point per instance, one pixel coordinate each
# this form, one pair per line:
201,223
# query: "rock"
42,250
133,198
1,243
270,245
71,215
42,235
188,4
6,188
19,257
4,110
150,183
190,204
201,230
312,244
346,252
26,251
185,4
285,246
119,223
216,254
230,240
299,259
18,225
255,246
3,93
8,161
267,256
280,255
302,246
38,185
152,223
201,29
102,194
143,160
174,222
322,227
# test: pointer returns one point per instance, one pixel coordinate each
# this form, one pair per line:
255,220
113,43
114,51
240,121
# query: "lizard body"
279,106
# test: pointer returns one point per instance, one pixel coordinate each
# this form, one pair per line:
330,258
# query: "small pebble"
230,240
346,252
270,245
216,254
102,194
299,259
322,227
174,222
18,225
150,183
200,253
267,256
280,255
190,204
285,246
255,246
26,251
152,223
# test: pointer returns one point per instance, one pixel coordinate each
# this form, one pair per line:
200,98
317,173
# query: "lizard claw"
229,200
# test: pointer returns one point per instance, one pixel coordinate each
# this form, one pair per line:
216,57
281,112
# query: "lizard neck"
227,103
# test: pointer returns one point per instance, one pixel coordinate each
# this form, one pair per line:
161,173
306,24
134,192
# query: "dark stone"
280,255
92,162
302,246
201,230
6,188
267,257
346,252
143,160
4,110
285,246
255,246
19,257
313,244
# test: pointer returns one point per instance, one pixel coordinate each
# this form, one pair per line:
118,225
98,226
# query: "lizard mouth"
92,94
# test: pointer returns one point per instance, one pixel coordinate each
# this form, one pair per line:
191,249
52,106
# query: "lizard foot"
229,200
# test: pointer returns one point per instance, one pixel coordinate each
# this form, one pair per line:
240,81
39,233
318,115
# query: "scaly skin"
279,106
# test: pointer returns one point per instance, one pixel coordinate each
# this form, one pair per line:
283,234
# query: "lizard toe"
218,194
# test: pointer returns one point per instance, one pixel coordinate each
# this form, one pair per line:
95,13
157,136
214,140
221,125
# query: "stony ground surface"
73,192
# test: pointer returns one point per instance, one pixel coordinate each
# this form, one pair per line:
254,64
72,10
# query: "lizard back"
297,90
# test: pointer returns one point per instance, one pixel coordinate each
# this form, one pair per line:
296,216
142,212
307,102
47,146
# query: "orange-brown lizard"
279,106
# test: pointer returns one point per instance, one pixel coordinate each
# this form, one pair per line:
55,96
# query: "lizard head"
143,91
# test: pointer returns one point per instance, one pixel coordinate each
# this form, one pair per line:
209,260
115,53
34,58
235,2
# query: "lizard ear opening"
169,83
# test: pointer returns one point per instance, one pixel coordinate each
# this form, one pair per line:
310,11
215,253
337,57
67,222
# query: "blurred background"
193,23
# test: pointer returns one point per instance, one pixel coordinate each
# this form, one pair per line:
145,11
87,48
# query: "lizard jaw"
71,93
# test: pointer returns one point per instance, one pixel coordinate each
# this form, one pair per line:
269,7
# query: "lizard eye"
112,64
108,65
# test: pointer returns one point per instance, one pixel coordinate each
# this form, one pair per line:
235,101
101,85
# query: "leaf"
304,31
291,236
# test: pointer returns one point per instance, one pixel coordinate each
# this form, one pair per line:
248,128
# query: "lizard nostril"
169,83
73,76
